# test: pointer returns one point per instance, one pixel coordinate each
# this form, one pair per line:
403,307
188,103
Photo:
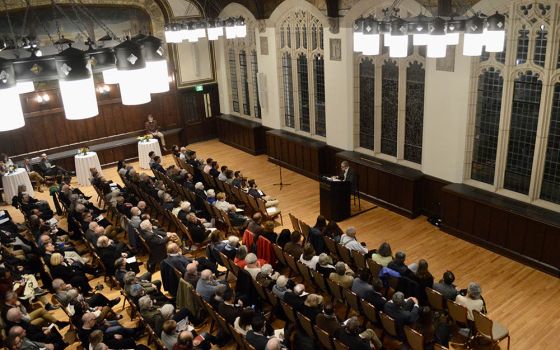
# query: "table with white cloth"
11,181
144,148
83,163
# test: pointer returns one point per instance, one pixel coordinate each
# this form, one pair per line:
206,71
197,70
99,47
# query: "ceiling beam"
332,8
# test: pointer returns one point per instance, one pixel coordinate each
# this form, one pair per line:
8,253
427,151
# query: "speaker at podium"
334,196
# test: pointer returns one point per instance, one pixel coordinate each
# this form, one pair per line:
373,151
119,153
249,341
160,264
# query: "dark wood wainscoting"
199,110
295,152
391,185
247,135
512,228
430,195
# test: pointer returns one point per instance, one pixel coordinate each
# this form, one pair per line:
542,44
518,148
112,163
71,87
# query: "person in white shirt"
472,301
308,257
349,241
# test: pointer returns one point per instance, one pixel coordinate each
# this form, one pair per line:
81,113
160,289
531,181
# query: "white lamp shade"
200,33
24,87
111,76
12,114
231,32
359,42
215,32
494,40
78,98
174,36
371,44
191,36
157,76
134,85
436,47
241,31
472,44
420,39
398,45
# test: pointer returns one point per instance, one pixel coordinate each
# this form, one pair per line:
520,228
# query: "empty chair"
414,338
324,338
489,329
435,299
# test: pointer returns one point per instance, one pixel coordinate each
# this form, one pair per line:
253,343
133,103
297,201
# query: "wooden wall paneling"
481,228
450,210
516,233
120,118
430,195
533,245
109,120
466,216
551,247
498,226
372,187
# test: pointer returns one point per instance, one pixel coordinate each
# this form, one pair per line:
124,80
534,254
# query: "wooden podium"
335,199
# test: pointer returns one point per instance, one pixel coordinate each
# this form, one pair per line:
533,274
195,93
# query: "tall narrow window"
233,80
487,124
303,88
522,46
319,74
244,82
523,132
367,103
289,116
414,120
540,46
389,107
254,72
550,189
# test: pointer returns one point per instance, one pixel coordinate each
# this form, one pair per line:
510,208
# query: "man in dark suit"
157,241
156,165
296,299
348,174
403,311
228,309
175,259
256,336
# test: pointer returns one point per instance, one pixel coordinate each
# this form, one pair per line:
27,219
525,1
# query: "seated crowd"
137,220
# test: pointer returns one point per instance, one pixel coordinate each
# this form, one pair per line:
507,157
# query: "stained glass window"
303,89
487,124
523,132
233,80
254,72
319,75
244,82
289,114
540,47
389,107
414,120
522,46
367,103
550,189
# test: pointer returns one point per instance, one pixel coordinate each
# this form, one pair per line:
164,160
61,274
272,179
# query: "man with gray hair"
157,240
26,343
403,311
342,276
349,241
297,298
14,318
207,284
348,174
274,344
472,301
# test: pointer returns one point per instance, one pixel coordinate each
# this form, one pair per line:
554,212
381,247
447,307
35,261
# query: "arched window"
243,68
389,107
300,43
516,120
367,103
414,118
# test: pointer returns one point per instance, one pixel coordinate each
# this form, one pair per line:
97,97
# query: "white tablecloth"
83,164
10,182
144,148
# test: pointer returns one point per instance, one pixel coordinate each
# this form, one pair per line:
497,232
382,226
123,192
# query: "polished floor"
521,298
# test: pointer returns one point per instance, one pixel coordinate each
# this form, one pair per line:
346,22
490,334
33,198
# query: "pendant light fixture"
173,34
102,61
231,29
437,41
358,35
133,77
494,33
25,87
12,113
156,66
240,27
215,29
371,37
473,39
420,29
76,85
397,40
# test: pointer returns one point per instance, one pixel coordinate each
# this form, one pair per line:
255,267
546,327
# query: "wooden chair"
352,300
389,325
279,253
489,329
336,290
458,315
370,312
359,260
374,268
272,298
345,254
435,299
295,222
439,347
338,345
305,272
331,246
304,228
239,339
306,324
320,282
414,339
291,262
289,312
324,338
270,213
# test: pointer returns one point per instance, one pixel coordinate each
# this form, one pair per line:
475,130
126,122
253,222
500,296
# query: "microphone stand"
281,184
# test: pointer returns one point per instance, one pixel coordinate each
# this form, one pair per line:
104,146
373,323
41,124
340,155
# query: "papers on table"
131,260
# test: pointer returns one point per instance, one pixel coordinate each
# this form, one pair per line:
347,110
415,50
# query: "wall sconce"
104,89
42,98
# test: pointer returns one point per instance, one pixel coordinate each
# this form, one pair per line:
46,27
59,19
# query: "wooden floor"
521,298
